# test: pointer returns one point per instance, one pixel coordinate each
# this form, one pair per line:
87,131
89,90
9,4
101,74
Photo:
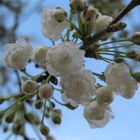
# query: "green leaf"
80,24
76,35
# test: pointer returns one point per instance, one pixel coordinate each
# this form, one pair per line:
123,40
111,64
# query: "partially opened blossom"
89,14
104,95
64,59
79,87
17,54
53,23
29,87
102,23
97,116
118,78
40,56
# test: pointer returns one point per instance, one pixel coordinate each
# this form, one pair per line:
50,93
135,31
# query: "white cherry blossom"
64,59
79,87
104,95
53,23
17,54
118,78
101,23
97,116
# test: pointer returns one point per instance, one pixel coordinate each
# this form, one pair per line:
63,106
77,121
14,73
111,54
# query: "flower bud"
47,114
18,128
77,5
30,117
38,104
90,14
59,14
58,111
44,130
138,57
29,87
40,55
131,54
119,60
56,118
45,92
10,117
135,37
5,128
104,96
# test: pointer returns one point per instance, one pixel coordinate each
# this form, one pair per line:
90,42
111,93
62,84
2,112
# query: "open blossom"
104,95
118,78
40,56
96,115
54,22
79,87
64,59
17,54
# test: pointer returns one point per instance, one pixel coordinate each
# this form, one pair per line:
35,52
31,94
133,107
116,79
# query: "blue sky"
74,126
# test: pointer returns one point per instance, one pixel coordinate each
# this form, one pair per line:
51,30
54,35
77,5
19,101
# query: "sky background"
125,126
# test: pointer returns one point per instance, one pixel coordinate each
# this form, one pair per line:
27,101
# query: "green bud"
138,58
44,130
53,104
135,37
58,111
10,117
119,60
30,117
121,25
18,128
131,54
77,5
38,104
5,128
47,115
56,118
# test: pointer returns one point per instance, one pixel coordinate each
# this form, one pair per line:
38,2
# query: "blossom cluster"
66,61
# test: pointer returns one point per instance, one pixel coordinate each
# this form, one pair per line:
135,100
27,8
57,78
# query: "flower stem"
17,101
43,112
58,102
114,41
